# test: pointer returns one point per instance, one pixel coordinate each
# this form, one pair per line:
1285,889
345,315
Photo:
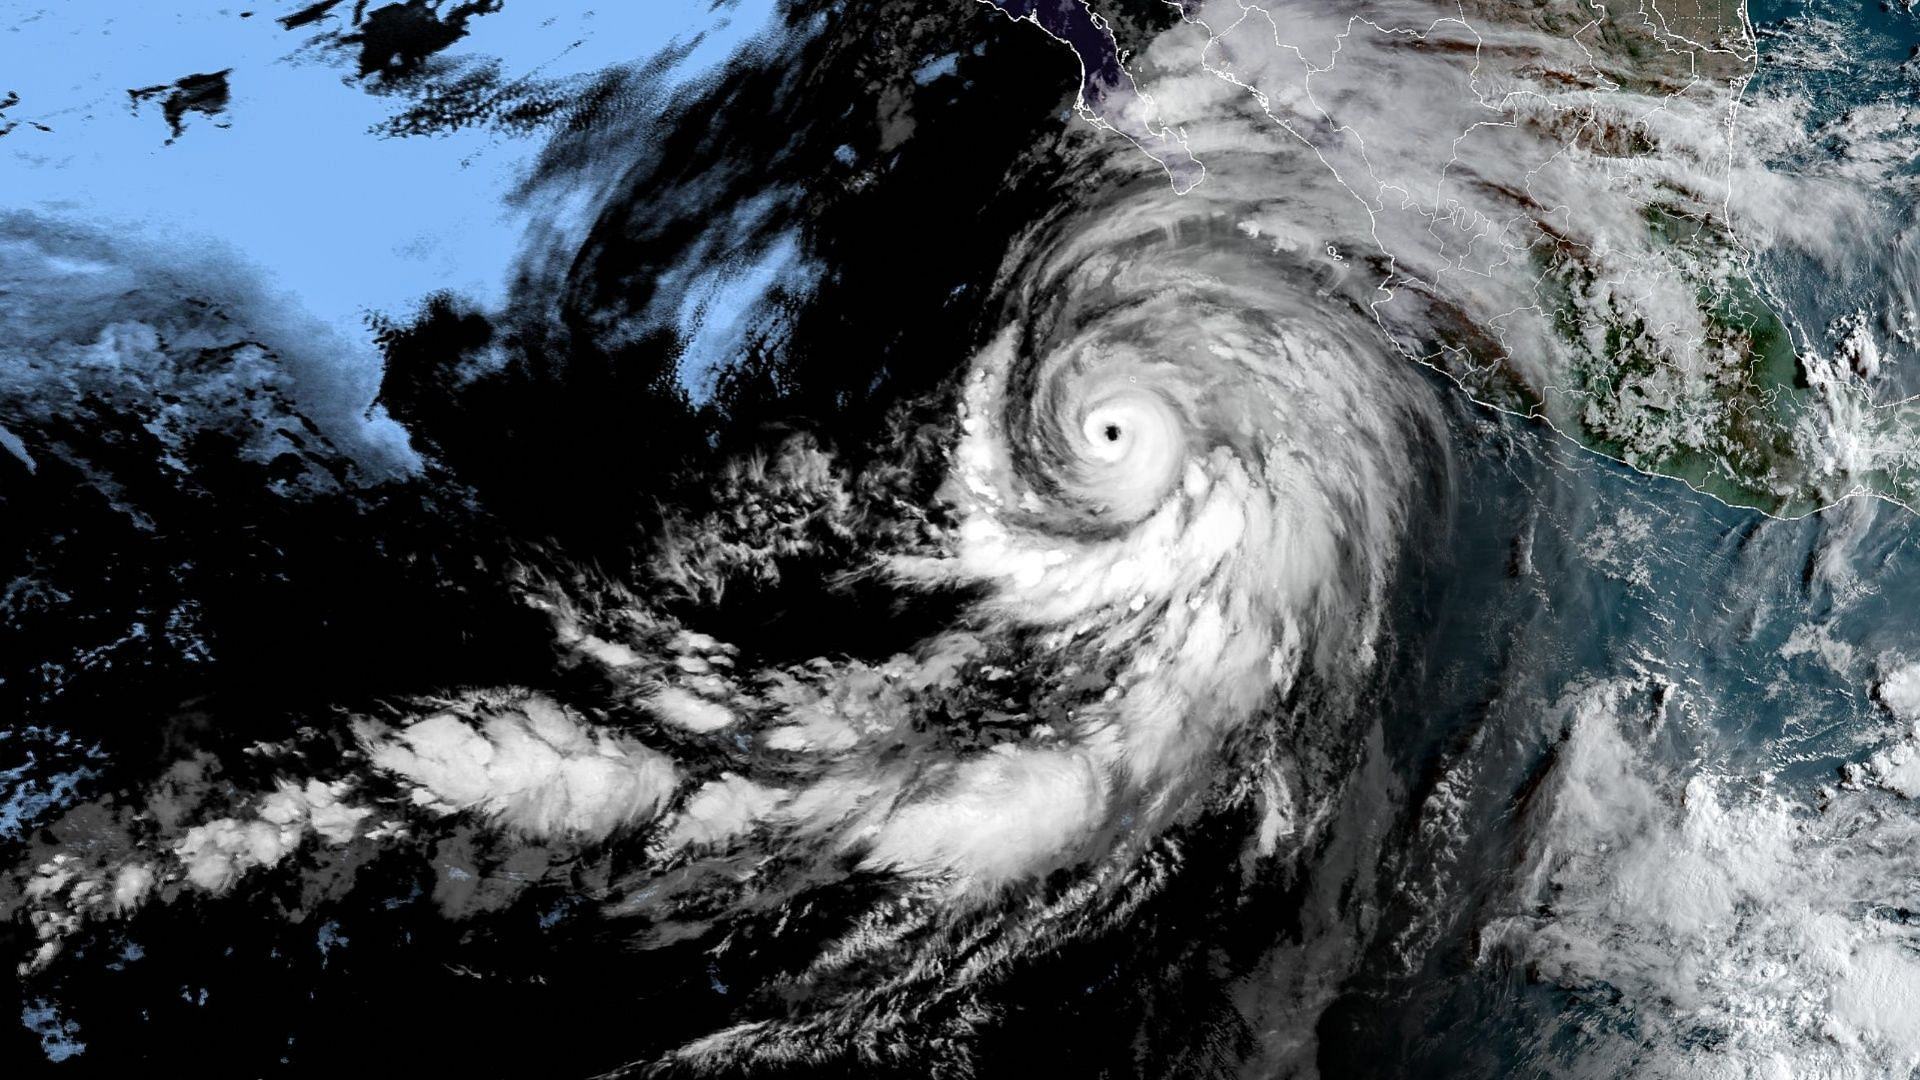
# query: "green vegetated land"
1722,403
1721,412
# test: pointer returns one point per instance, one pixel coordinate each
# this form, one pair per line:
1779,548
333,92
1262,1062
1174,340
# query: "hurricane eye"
1112,432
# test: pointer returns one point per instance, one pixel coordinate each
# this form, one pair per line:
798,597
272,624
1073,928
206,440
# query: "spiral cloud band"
875,689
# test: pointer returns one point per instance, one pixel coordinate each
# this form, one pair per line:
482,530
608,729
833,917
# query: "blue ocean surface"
298,177
712,538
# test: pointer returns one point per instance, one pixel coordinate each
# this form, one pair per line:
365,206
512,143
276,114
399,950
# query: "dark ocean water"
1544,767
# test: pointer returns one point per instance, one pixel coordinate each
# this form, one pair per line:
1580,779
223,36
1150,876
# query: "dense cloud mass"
1293,571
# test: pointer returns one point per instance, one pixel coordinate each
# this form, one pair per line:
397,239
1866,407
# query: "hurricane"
990,539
